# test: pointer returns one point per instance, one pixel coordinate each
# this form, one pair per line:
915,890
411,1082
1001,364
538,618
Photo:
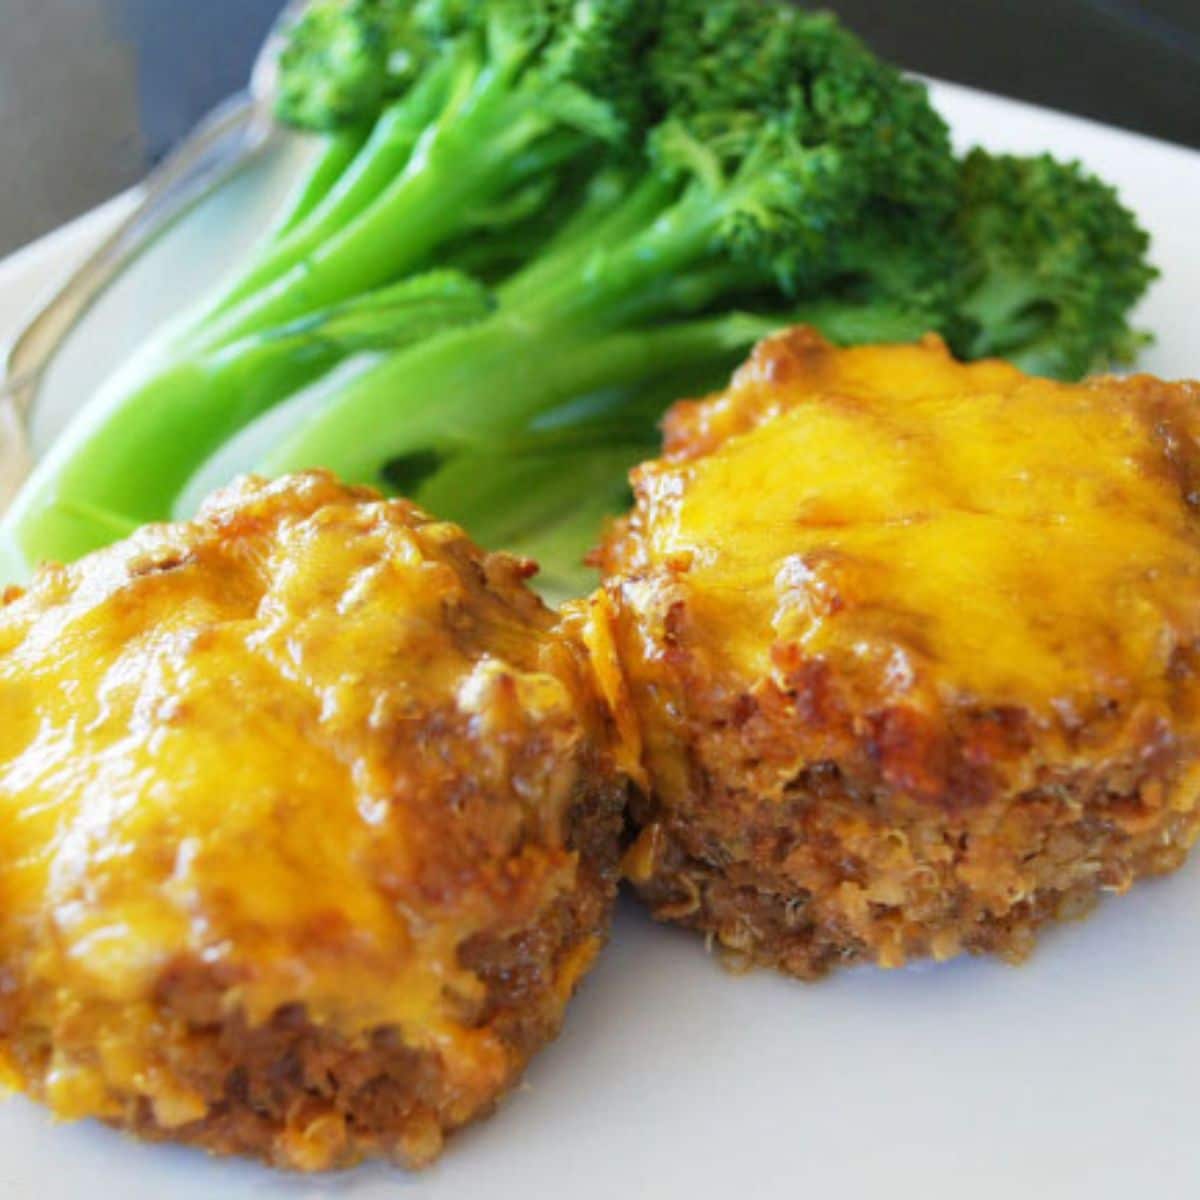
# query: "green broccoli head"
1053,265
581,59
601,46
756,60
803,128
897,261
345,59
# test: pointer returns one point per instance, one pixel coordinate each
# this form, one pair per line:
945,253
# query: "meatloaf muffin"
308,828
913,652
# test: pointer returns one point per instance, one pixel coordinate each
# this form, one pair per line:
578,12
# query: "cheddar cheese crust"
308,828
913,652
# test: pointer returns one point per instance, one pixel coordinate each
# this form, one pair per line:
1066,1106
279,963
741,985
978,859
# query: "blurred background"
92,92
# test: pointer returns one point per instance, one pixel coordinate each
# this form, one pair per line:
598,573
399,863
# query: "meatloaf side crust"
304,1096
835,870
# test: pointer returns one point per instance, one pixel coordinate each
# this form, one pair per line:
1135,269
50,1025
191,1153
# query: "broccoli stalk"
335,154
489,387
130,462
508,97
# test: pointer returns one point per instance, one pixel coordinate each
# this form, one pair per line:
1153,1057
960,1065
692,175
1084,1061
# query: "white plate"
1074,1076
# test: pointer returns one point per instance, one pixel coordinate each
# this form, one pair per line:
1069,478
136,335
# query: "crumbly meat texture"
308,828
911,649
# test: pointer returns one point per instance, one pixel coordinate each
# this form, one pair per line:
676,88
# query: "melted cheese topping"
888,508
236,744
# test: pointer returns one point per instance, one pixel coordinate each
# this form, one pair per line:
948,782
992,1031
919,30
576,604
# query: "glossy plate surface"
1074,1076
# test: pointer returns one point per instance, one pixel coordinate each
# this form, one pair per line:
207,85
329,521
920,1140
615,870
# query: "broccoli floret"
1054,264
339,66
343,61
749,61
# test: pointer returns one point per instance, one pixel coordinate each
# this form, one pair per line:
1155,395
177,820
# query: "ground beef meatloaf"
912,650
308,828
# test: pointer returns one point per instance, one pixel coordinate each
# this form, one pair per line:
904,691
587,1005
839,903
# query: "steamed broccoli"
1053,265
480,113
648,186
819,188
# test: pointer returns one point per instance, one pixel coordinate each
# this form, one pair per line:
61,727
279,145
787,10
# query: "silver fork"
224,142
